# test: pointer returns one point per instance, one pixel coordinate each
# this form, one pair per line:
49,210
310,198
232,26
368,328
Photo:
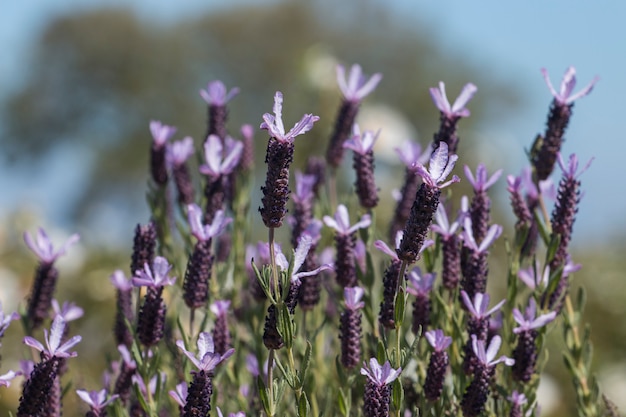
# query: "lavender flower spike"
478,308
458,109
274,123
97,401
487,354
53,347
356,86
350,327
451,251
160,135
216,93
529,320
218,163
420,285
564,96
206,232
177,155
207,358
481,203
42,246
377,391
438,364
517,400
440,166
363,164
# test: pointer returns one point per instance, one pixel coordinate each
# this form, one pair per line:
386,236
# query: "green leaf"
342,403
285,325
397,394
553,246
399,308
303,406
287,373
263,393
306,361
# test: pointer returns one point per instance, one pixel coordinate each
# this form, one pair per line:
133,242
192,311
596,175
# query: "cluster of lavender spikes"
276,290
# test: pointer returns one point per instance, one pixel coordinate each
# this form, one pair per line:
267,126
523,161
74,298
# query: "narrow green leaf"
306,361
397,394
303,406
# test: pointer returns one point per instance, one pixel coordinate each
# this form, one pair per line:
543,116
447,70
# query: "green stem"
292,365
270,382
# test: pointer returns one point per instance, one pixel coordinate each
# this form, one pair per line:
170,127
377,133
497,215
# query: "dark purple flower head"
411,154
564,96
468,236
486,355
5,380
341,222
97,400
42,246
207,359
478,308
353,296
157,276
420,283
361,143
274,123
180,394
380,375
178,152
458,108
481,181
569,169
441,164
119,281
438,340
206,232
442,225
6,320
529,320
161,133
356,86
216,93
220,161
220,307
53,341
69,311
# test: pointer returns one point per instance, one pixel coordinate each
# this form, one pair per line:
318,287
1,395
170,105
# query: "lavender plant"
296,339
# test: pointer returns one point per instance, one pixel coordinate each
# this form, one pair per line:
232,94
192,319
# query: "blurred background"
81,79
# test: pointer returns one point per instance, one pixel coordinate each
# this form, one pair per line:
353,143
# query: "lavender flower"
363,163
160,135
309,293
124,381
450,115
518,400
237,414
345,240
5,321
151,320
124,308
426,202
216,95
438,364
221,334
354,90
451,266
144,243
303,206
474,264
278,157
179,395
220,162
198,401
177,154
97,401
410,154
350,327
316,166
481,203
200,264
563,217
525,353
390,282
476,394
420,285
520,208
46,275
5,380
377,391
544,157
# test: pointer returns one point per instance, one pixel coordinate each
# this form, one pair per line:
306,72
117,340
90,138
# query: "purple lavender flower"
518,400
220,162
450,115
410,154
350,327
221,334
474,264
179,395
46,275
303,206
562,220
278,157
177,155
316,166
476,394
420,285
124,308
390,282
544,157
198,402
151,319
37,396
160,135
124,381
451,264
438,364
354,90
520,208
310,287
97,401
200,263
525,353
481,203
5,321
144,243
345,240
377,391
363,163
237,414
5,380
216,95
426,202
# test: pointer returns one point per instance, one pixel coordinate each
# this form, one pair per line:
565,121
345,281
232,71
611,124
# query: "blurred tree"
98,78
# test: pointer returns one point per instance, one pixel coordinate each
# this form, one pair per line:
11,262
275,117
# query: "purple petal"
369,86
493,233
304,125
439,98
304,245
361,224
343,218
34,343
205,344
232,159
466,95
194,216
493,348
382,246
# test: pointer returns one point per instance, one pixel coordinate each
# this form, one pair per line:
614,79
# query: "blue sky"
509,40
